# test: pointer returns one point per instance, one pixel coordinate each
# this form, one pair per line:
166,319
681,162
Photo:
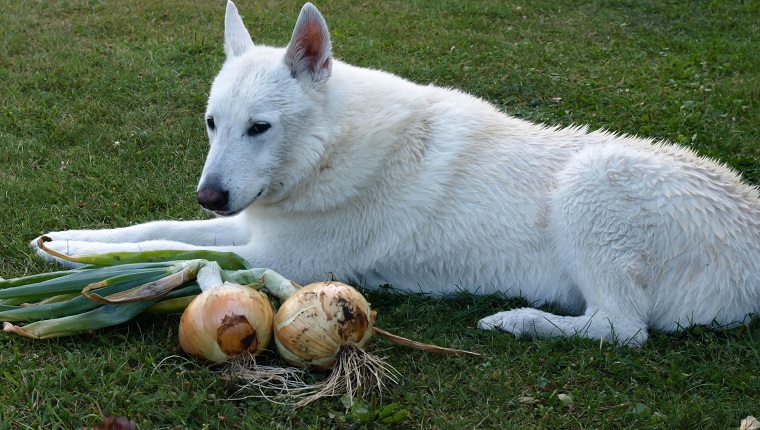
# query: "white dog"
316,166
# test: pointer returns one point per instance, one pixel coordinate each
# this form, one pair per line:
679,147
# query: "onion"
327,325
317,321
225,321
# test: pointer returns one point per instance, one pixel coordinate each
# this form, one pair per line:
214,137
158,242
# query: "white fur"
379,180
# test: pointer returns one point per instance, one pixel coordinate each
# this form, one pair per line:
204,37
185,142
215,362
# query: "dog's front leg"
220,233
212,232
75,248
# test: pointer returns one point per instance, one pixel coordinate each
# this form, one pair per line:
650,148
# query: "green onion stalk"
112,288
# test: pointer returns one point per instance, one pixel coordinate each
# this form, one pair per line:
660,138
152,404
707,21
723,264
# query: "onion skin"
318,320
225,321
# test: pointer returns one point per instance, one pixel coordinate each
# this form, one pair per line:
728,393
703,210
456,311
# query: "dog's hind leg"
608,240
613,284
613,279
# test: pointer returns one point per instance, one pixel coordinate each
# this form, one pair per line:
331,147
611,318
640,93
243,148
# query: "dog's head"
264,114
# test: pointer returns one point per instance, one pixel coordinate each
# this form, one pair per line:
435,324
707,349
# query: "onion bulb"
317,321
327,325
225,321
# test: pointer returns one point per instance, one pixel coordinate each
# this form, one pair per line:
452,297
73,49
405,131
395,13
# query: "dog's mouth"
226,213
237,211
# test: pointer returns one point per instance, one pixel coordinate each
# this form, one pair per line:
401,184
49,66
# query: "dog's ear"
236,37
308,55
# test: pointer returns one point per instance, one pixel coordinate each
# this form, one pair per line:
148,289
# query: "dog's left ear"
308,55
236,37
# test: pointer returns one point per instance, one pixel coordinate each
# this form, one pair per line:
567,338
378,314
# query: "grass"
101,126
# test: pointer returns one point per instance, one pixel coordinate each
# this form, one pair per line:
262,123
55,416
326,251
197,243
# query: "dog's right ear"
236,37
309,54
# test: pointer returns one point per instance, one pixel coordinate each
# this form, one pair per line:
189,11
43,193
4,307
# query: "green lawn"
102,125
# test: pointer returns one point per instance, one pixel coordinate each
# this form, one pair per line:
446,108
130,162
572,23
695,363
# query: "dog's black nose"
213,198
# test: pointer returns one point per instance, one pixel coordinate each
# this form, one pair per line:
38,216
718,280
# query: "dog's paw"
529,322
53,250
520,322
40,244
36,245
50,240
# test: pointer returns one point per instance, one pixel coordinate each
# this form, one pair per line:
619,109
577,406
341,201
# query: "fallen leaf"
565,400
113,423
749,423
640,410
527,400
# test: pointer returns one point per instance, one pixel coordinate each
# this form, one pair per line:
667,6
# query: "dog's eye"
210,123
258,128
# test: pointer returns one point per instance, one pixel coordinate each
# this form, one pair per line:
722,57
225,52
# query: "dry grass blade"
423,346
